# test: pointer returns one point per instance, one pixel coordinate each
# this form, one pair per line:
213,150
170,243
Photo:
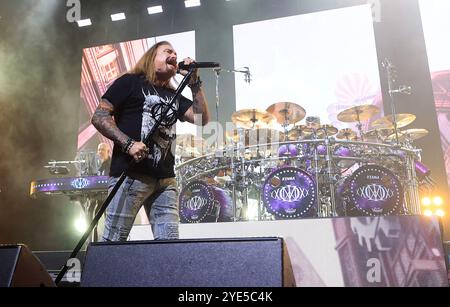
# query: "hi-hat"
252,118
346,134
410,134
287,113
358,113
387,122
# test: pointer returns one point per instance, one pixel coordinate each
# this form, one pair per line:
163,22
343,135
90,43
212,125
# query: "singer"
126,114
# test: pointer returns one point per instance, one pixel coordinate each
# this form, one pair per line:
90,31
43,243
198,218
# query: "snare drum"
203,203
289,193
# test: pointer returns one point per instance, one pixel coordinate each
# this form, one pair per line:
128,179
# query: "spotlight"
438,201
118,16
80,224
426,201
439,212
428,212
192,3
84,22
155,9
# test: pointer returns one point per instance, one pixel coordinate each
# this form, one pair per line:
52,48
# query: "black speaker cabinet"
247,262
20,268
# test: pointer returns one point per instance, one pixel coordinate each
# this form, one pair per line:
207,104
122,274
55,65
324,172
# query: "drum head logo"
289,193
375,190
196,200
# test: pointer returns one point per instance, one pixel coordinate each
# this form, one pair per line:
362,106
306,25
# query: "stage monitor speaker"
20,268
246,262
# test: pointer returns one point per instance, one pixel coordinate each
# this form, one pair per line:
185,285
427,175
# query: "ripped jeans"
159,198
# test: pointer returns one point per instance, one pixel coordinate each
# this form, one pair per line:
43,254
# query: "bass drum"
203,203
289,193
371,190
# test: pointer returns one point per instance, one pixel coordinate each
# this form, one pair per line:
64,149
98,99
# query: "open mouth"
172,62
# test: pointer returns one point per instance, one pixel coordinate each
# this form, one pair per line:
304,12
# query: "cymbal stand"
359,125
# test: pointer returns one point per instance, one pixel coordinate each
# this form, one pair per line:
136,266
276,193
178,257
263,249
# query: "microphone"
195,65
248,75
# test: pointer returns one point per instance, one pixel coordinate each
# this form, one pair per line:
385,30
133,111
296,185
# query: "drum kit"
302,170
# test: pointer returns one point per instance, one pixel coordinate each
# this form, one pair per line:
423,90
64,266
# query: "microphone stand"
391,80
122,177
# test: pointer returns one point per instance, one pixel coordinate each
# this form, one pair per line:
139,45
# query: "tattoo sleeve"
104,122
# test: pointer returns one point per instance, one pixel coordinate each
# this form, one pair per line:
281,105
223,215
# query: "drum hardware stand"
316,174
413,185
330,178
158,123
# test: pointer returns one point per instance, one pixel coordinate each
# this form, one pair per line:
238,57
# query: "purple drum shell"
288,150
322,150
199,201
289,193
375,191
344,152
282,150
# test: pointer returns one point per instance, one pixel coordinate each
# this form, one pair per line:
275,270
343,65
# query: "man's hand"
138,151
194,76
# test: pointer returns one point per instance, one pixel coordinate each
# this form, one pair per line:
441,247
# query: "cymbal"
346,134
189,140
358,113
262,135
387,122
287,112
252,118
299,132
410,134
378,133
327,130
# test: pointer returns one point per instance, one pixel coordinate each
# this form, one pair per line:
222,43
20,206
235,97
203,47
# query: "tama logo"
373,177
288,178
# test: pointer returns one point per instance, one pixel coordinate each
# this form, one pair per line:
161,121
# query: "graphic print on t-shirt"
162,138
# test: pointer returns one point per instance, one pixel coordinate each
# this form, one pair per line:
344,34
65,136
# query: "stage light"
118,16
155,9
426,201
428,212
438,201
192,3
439,212
80,224
84,22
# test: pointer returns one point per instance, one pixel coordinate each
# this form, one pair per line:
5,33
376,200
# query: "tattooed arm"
104,122
200,106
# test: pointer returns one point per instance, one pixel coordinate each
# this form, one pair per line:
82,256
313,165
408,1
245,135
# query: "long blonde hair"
146,66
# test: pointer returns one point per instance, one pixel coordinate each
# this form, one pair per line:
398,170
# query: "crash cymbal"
287,113
379,134
252,118
387,122
410,134
358,113
346,134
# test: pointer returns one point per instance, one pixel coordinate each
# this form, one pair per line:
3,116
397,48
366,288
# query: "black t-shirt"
136,103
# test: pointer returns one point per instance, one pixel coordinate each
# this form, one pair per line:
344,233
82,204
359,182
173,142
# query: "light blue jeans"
159,198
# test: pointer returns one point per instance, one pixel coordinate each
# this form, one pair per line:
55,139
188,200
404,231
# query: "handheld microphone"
195,65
